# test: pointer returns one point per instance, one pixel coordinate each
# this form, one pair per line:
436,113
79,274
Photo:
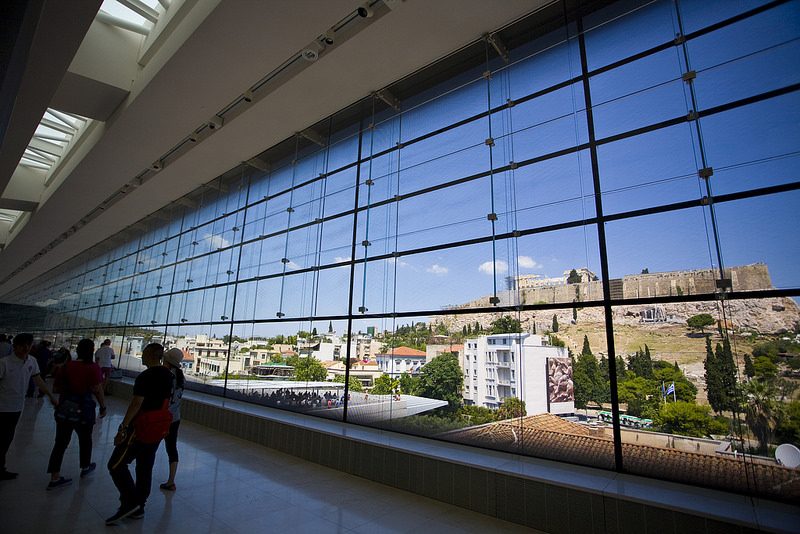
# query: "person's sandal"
168,487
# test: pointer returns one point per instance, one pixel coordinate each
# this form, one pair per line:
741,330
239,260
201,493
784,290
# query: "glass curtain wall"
575,240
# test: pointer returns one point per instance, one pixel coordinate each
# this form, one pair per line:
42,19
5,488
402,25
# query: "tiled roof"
405,351
544,437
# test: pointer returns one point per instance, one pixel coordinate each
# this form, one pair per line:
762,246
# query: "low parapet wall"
540,494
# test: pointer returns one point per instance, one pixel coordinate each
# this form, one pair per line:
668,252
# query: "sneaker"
61,482
88,469
8,475
122,513
138,514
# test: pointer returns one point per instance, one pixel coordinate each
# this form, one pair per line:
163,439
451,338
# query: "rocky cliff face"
766,316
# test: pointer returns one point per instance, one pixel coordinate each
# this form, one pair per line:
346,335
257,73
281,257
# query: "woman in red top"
76,382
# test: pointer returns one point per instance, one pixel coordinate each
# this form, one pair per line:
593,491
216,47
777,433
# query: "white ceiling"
204,66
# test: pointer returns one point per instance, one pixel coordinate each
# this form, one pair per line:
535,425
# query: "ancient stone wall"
666,284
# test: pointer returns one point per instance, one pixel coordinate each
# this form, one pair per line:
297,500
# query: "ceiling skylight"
135,15
51,138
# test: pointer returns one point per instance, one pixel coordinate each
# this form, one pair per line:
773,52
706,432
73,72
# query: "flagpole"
674,395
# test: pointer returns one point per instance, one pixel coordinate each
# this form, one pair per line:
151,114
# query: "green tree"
309,369
700,322
355,383
573,277
330,327
477,415
555,324
464,330
511,408
749,370
686,419
726,368
664,373
586,348
764,368
761,410
641,395
505,324
589,383
645,271
788,426
441,378
409,385
714,383
641,363
384,385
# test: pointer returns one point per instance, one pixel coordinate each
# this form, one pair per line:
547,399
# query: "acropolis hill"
768,316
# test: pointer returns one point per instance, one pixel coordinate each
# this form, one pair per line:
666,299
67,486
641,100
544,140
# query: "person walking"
15,371
172,361
5,346
103,357
44,356
145,424
76,382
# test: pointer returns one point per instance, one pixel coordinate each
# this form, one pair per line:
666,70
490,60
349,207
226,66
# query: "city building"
500,366
415,173
402,360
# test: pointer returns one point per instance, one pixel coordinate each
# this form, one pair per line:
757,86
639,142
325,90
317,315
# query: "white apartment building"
401,360
498,366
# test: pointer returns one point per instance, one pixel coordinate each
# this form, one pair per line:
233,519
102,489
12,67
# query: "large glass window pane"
651,169
635,28
756,246
663,243
644,92
754,146
748,57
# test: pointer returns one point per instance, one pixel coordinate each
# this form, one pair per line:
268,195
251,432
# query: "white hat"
173,357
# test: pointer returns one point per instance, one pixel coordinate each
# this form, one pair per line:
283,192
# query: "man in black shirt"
151,388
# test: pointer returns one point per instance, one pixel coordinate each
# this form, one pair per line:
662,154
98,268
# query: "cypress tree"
749,370
555,323
713,382
586,348
727,368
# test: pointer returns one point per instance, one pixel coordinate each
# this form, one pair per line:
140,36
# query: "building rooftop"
551,437
404,351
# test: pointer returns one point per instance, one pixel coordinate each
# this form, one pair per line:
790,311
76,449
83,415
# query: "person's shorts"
106,372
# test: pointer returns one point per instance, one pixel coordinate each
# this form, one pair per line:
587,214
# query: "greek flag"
671,388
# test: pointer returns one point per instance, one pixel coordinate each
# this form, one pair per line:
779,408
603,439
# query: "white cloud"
217,241
398,261
437,269
526,262
292,266
487,267
340,259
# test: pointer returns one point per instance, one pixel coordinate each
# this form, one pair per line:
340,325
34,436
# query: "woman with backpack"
76,382
172,361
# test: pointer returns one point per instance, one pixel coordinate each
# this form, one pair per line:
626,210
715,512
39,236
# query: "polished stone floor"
224,485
